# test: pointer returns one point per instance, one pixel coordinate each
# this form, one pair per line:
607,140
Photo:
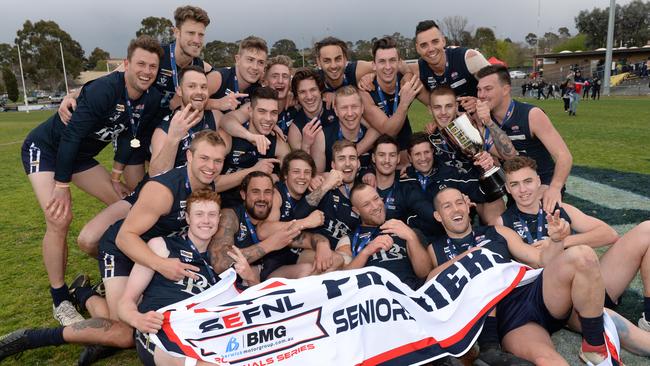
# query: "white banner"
359,317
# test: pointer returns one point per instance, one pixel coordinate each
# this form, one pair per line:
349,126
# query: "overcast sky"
111,24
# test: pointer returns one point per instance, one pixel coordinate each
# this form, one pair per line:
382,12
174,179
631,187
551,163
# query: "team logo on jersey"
110,133
242,232
119,107
166,72
330,118
181,212
454,75
192,286
162,81
431,81
515,128
186,255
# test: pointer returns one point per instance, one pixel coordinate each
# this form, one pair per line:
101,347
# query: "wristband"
62,185
117,171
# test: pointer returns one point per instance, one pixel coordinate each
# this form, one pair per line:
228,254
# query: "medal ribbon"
384,101
452,251
251,228
172,61
211,273
129,111
358,248
540,227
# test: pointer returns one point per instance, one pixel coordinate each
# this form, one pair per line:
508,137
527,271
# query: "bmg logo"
264,335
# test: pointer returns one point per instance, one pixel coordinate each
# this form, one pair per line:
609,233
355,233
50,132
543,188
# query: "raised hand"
558,228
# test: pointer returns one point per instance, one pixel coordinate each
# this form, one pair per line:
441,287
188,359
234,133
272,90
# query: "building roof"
598,52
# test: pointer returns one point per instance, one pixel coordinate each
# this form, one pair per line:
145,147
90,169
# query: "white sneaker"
66,314
644,324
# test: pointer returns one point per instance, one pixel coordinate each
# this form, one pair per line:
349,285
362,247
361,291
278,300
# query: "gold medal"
135,143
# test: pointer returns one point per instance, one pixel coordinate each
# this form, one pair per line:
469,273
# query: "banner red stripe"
414,346
173,337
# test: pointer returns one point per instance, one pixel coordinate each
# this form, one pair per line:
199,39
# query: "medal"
135,143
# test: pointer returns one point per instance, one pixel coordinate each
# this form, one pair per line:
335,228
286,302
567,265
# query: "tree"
453,27
161,29
41,56
531,39
405,45
485,40
549,41
594,25
286,47
363,49
11,84
97,55
632,25
8,55
220,54
564,32
576,43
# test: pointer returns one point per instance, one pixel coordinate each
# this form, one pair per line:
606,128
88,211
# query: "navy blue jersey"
405,201
349,77
526,225
327,118
517,127
292,209
165,79
246,235
395,260
286,118
456,74
243,155
428,183
449,163
446,248
339,217
101,117
162,292
207,123
230,84
387,105
334,133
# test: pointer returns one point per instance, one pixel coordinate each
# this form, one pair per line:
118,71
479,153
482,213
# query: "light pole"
610,44
65,78
22,77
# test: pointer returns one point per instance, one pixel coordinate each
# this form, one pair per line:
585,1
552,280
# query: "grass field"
607,138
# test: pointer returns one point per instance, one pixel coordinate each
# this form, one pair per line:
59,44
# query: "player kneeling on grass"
157,291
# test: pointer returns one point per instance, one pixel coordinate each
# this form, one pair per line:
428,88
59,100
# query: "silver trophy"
467,139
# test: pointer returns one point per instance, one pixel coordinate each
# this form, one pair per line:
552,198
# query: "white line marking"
605,195
10,143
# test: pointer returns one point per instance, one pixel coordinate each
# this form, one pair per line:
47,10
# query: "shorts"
145,348
277,259
39,158
112,262
525,304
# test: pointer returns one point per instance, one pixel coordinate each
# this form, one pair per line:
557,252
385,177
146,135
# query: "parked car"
516,74
57,98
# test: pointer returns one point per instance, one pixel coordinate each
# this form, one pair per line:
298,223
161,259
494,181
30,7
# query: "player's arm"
542,128
538,257
440,268
317,151
227,181
334,179
382,242
139,279
362,68
153,202
294,137
379,120
232,123
163,151
423,95
368,141
281,149
589,230
420,261
497,221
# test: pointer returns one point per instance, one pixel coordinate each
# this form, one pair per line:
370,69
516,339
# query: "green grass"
611,133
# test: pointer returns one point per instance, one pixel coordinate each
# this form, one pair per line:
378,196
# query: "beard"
258,213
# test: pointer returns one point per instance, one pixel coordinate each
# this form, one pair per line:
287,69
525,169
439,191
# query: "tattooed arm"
224,239
502,145
334,179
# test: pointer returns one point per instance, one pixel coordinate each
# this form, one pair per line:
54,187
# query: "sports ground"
610,180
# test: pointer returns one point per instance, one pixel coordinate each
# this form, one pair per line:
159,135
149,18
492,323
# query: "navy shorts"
277,259
525,304
39,158
112,262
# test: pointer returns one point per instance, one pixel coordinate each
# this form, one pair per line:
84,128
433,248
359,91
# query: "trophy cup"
467,139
